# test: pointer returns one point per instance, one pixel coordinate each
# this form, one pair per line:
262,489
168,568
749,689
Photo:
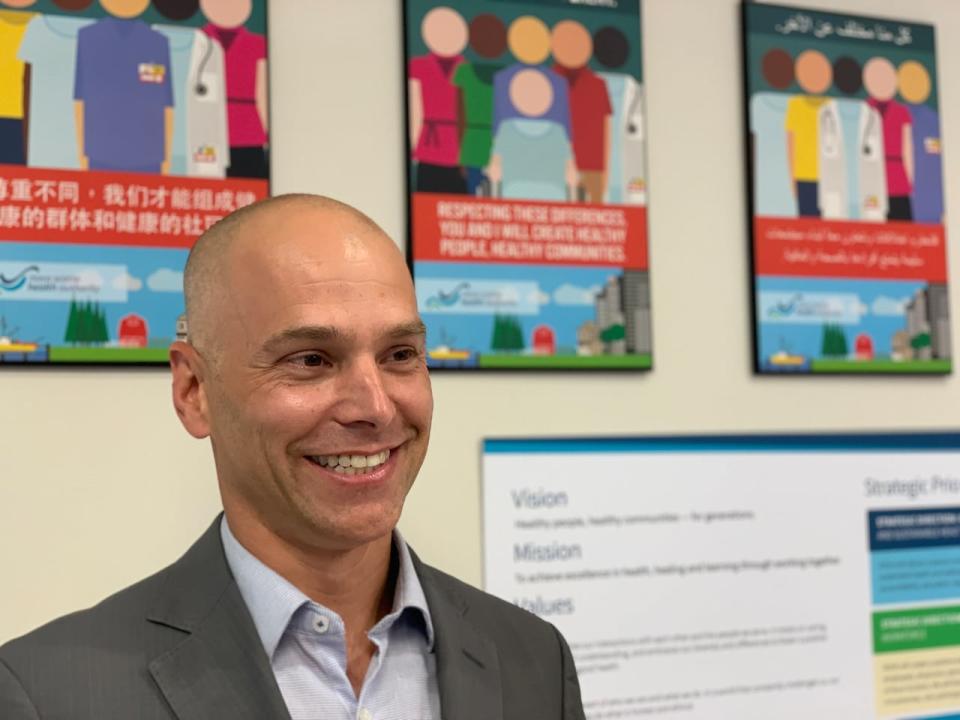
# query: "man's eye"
404,354
310,360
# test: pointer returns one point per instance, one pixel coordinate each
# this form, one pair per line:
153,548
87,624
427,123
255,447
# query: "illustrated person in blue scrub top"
49,49
123,94
772,192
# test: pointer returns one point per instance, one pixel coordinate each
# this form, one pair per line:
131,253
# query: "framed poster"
127,127
772,576
527,183
846,194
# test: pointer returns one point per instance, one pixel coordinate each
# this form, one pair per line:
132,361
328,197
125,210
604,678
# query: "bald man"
305,366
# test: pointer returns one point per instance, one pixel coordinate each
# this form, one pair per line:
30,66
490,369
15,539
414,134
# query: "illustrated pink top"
895,117
242,51
439,141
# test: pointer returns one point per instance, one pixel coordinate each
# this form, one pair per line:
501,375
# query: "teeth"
352,464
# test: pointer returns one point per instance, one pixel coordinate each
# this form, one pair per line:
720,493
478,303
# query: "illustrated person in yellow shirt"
13,25
814,75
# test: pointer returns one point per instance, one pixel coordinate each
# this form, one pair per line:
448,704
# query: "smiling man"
305,366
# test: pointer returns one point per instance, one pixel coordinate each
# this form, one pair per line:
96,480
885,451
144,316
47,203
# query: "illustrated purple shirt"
123,78
927,197
503,108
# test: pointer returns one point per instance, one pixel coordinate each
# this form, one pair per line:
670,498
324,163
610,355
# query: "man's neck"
357,583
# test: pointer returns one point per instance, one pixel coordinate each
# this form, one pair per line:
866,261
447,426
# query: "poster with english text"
527,183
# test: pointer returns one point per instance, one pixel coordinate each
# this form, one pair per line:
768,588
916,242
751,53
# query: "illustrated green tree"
613,333
834,342
507,334
70,335
920,341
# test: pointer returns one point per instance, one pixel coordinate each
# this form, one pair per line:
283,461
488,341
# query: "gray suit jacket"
181,644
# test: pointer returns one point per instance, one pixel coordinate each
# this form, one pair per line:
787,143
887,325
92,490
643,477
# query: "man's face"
321,359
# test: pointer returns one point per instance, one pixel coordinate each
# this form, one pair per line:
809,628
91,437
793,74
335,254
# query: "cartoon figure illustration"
927,196
814,75
245,64
880,82
434,103
626,159
590,109
772,187
529,41
13,81
200,132
488,39
49,50
122,92
532,157
854,184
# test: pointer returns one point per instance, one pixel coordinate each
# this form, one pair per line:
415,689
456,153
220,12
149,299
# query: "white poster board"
738,577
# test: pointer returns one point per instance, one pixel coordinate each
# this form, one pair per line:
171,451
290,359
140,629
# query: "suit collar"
220,668
468,666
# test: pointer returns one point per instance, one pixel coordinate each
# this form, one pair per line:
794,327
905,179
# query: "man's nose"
364,396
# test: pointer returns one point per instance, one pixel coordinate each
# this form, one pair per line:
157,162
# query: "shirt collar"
272,599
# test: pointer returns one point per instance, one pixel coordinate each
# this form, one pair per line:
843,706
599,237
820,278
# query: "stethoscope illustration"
200,88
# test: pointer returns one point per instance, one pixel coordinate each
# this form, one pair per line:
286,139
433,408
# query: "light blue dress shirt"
305,643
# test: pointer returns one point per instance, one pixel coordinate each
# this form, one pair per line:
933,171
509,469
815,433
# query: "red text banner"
844,249
482,230
99,208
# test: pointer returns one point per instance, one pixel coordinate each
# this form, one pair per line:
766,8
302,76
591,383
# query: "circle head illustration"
125,9
177,9
18,3
571,43
444,31
914,82
611,47
814,72
776,66
73,5
529,40
227,14
880,79
488,36
847,75
531,93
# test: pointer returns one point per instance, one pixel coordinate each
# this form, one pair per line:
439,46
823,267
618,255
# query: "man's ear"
189,390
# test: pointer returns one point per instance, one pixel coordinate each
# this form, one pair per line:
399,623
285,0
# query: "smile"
351,464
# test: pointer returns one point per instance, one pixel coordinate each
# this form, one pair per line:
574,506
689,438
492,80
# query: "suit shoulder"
108,622
494,615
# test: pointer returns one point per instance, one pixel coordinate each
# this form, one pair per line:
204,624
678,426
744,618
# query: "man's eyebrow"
327,333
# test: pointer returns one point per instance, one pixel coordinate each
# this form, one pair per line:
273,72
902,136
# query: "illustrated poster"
527,180
127,127
849,253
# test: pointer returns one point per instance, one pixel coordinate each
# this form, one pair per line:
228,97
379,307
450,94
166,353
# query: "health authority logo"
12,284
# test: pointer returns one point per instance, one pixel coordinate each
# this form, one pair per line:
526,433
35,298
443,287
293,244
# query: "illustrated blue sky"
881,299
474,331
156,271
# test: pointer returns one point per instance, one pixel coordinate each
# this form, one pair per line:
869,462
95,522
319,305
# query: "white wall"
99,486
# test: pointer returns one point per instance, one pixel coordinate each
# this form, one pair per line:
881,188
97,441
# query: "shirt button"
365,714
321,624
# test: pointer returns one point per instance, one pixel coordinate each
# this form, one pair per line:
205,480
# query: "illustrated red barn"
132,331
544,340
863,347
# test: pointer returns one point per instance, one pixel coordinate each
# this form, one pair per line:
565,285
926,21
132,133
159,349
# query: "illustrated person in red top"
880,82
245,56
435,103
590,108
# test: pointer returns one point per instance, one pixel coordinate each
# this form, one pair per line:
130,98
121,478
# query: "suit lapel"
220,669
468,667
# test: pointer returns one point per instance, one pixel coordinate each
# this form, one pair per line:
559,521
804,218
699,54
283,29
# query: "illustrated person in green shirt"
488,39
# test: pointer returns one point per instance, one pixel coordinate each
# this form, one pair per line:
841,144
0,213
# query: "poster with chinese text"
849,252
127,127
527,183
